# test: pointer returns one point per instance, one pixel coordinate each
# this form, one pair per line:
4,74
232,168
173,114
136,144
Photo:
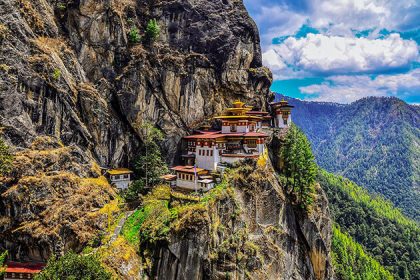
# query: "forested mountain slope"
373,141
384,232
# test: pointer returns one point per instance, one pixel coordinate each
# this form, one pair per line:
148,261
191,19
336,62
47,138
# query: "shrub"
134,35
56,74
74,266
152,30
61,6
3,31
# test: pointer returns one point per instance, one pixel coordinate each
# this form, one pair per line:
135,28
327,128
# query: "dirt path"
121,223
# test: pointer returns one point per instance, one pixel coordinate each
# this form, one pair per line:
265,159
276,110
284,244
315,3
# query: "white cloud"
346,89
279,21
333,17
322,54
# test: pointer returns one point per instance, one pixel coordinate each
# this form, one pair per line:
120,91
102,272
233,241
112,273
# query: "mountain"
373,141
384,233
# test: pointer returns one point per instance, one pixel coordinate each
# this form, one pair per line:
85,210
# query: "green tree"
299,166
384,232
72,266
2,267
152,30
149,165
134,35
351,262
6,158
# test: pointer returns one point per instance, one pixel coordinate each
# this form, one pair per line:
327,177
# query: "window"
233,128
211,153
125,176
285,122
252,143
207,152
251,127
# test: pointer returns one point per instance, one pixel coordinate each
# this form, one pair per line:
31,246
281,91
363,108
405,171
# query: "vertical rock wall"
69,70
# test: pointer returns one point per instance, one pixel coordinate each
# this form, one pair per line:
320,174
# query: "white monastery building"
283,112
239,138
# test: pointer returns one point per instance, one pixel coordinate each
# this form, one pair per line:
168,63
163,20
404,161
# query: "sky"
341,50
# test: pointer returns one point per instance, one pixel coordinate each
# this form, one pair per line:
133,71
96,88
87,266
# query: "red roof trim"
18,267
257,113
240,156
187,169
220,135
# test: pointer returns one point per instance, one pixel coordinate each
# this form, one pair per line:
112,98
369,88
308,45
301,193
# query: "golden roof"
238,104
119,171
241,117
238,111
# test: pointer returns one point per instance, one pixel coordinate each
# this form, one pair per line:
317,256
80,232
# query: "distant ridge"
373,141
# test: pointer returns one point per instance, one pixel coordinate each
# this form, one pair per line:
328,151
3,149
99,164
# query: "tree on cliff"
149,165
6,158
152,30
73,266
299,166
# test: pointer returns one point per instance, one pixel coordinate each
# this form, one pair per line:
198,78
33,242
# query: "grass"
131,228
162,212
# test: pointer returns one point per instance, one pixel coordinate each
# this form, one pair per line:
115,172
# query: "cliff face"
69,70
249,230
52,202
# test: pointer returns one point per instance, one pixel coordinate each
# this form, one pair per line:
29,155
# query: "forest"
383,231
373,141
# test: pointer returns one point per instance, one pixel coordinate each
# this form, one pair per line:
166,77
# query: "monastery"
241,136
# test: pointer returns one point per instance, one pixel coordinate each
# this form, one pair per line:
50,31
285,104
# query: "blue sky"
341,50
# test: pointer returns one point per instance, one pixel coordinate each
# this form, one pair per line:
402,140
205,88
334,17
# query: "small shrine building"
120,177
283,113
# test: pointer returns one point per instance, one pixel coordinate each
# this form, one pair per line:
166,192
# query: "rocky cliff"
244,229
69,70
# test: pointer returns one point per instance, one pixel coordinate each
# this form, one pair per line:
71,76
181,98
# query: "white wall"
280,122
206,162
121,184
260,148
186,184
229,159
206,187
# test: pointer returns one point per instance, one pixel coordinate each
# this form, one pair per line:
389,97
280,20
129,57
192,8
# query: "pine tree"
299,166
149,165
152,30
